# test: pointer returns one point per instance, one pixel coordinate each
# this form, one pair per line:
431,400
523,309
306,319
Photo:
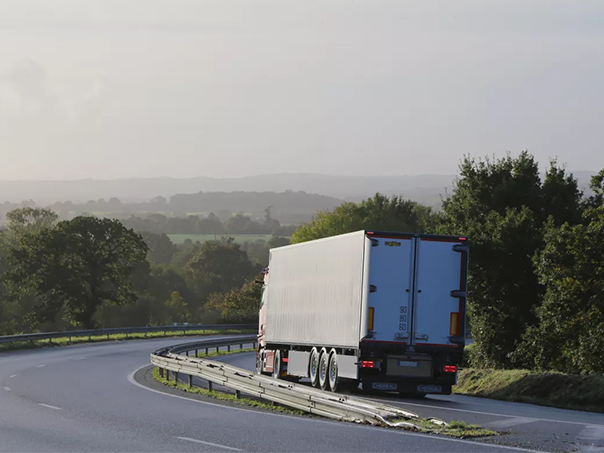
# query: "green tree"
221,266
27,220
378,213
176,308
77,267
502,205
238,306
20,222
161,248
569,335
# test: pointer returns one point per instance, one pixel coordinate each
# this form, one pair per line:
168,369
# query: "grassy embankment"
116,337
560,390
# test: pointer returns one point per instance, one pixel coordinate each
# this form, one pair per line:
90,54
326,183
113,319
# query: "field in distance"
239,238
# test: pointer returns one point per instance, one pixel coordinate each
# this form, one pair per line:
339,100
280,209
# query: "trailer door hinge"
372,288
461,248
459,294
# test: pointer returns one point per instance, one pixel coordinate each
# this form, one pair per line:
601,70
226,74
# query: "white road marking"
209,443
508,423
10,377
50,407
40,366
302,419
427,406
591,436
7,389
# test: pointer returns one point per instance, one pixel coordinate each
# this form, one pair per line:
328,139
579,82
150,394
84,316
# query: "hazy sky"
121,88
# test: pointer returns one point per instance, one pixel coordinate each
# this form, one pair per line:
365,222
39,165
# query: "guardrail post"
176,376
161,372
50,341
70,339
229,348
206,351
210,385
190,380
241,346
217,349
237,394
196,353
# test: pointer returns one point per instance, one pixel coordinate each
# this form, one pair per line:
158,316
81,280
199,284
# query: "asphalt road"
80,398
525,425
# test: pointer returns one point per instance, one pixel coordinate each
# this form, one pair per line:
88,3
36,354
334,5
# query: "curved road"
80,398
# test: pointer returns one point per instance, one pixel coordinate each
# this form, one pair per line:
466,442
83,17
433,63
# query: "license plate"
383,386
430,388
404,363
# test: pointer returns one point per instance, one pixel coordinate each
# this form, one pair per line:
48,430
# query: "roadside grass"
64,341
458,429
219,353
250,402
455,428
585,393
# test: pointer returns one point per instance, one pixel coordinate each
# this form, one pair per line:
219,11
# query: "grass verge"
565,391
115,337
250,402
457,429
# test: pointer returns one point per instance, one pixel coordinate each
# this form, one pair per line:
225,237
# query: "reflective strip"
454,330
370,318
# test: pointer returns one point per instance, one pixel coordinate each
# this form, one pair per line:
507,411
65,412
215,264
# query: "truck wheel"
313,367
333,372
277,365
324,370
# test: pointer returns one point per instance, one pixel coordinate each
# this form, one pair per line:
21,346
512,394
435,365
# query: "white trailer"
383,309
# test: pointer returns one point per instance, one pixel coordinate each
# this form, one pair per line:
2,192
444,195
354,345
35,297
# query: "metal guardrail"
336,406
121,330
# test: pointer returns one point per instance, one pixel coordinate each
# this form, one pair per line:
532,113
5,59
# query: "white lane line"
7,389
427,406
10,377
352,426
50,407
40,366
592,435
508,423
209,443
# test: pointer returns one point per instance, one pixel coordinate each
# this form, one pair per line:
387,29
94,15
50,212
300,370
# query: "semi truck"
384,310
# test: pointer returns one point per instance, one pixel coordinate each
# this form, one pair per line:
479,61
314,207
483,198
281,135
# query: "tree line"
289,206
92,272
211,224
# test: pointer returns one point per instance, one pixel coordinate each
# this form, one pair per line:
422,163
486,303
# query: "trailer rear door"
440,286
390,292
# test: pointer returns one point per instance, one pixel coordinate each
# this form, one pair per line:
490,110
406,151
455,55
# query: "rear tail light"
367,364
450,369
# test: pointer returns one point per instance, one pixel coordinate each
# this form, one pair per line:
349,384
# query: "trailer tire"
277,365
332,375
324,370
313,367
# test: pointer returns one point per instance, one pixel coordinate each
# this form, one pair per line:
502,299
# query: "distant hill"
137,190
426,189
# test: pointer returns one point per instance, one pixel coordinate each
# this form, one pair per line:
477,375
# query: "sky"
111,89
